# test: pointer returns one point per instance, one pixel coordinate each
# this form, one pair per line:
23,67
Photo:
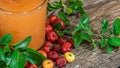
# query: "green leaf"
104,24
60,33
50,7
57,4
7,49
33,56
17,60
85,36
69,11
116,27
81,9
72,0
23,44
84,24
75,7
109,49
2,56
6,39
58,26
63,17
77,40
103,42
114,41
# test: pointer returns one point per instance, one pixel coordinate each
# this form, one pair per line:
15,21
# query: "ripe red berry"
52,36
26,64
47,43
52,18
46,49
48,28
61,62
32,66
66,47
53,55
57,48
59,21
62,40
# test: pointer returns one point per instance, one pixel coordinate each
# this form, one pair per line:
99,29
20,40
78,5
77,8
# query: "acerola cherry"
61,62
48,28
53,55
32,66
66,47
52,36
57,48
52,18
47,22
62,40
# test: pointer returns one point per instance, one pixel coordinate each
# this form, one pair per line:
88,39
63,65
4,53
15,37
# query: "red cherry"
27,64
47,43
53,55
52,18
62,40
52,36
46,49
32,66
66,47
61,62
48,28
57,48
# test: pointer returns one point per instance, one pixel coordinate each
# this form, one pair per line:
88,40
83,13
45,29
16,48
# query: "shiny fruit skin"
48,63
52,18
53,55
62,40
48,28
32,66
52,36
43,53
66,47
69,56
57,48
61,62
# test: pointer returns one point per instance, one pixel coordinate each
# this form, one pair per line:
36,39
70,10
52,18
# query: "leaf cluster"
15,55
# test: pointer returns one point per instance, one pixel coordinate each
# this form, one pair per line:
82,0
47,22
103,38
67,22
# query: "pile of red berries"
55,45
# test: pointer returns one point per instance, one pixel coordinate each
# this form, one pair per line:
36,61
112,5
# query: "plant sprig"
82,31
15,55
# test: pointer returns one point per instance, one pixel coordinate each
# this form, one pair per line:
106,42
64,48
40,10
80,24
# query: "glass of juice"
24,18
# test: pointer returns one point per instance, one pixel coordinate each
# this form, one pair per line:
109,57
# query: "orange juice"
24,18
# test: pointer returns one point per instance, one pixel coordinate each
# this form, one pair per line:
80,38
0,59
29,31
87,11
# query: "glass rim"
38,7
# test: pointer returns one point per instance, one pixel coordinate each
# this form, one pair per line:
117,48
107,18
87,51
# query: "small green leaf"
104,24
57,4
17,60
2,55
23,44
69,11
6,39
84,24
60,33
63,17
50,7
58,26
116,27
7,49
103,42
109,49
72,0
77,40
114,41
85,36
33,56
75,7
